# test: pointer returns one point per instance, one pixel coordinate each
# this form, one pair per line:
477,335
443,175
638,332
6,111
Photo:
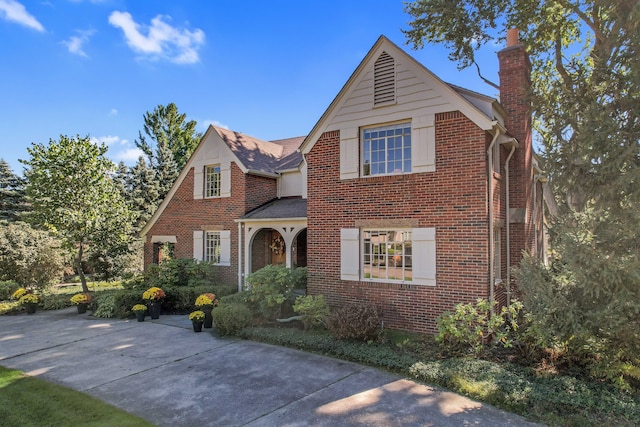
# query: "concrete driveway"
164,372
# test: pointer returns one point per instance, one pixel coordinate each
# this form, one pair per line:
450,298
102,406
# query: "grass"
27,401
555,400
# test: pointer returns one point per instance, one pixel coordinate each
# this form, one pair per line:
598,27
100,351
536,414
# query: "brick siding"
453,200
183,215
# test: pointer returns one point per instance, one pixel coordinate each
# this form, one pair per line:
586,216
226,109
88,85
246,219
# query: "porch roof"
286,208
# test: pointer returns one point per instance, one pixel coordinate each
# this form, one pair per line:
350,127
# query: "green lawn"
27,401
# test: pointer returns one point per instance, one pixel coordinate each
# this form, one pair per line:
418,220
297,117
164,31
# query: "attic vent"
384,80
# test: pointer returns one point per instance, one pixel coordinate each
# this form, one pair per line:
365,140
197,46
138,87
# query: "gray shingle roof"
259,155
294,207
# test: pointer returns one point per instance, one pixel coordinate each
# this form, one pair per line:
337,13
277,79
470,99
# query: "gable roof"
257,155
471,104
253,156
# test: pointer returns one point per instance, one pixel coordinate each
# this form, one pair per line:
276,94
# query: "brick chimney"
515,84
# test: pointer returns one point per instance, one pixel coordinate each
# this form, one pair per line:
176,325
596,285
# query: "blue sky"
267,69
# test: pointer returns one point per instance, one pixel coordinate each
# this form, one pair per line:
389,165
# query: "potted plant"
27,298
154,296
197,319
206,302
140,311
81,301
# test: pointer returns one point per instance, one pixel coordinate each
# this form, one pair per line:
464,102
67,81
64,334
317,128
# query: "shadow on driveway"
164,372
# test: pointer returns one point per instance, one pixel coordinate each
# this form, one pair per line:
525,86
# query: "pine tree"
168,142
12,197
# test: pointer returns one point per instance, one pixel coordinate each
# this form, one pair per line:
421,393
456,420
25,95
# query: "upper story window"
212,181
386,149
384,80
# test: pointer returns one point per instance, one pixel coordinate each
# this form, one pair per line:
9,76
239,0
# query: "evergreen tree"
168,142
143,192
586,106
12,197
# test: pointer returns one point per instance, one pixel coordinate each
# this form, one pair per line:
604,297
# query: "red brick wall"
453,200
183,215
515,85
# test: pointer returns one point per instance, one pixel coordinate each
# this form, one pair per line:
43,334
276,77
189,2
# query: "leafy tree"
12,198
586,104
31,257
74,195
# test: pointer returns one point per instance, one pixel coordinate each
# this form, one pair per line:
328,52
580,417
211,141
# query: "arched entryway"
267,247
277,243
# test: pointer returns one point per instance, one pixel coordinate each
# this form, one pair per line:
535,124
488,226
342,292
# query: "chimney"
515,85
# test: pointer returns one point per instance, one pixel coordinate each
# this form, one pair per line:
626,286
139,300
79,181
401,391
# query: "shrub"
105,306
356,321
313,309
231,318
29,256
271,286
124,300
55,302
7,288
180,272
472,327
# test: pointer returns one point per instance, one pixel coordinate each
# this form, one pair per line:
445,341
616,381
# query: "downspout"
508,221
239,257
491,243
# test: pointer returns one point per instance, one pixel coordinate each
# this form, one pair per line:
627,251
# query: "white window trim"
423,243
164,239
199,242
206,181
405,123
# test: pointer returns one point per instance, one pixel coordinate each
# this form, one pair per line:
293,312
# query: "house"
409,193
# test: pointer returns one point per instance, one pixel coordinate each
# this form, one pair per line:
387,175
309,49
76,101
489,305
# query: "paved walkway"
164,372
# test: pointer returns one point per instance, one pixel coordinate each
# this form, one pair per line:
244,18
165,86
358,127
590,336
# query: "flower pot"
31,307
140,316
208,320
197,325
82,308
154,309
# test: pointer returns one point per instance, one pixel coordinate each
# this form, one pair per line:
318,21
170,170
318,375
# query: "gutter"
262,173
240,256
508,221
491,243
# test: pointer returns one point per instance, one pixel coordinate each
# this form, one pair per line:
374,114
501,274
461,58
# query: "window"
387,255
386,149
212,247
212,181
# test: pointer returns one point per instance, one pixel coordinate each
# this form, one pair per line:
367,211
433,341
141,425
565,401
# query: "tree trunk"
83,280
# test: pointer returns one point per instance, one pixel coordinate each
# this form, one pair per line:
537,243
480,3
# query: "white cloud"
130,155
114,112
204,124
75,43
161,39
109,140
16,12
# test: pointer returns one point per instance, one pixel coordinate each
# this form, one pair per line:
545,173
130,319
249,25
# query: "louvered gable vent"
384,80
